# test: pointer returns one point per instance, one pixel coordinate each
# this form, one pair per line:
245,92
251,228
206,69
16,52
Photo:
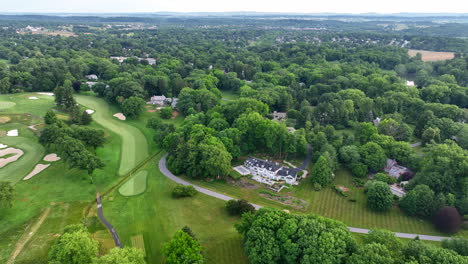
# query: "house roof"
288,171
269,165
158,98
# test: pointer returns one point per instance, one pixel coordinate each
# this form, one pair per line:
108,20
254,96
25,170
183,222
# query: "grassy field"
155,216
65,191
136,185
432,55
24,105
329,203
134,143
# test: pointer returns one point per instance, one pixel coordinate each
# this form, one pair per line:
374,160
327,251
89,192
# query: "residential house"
92,77
279,115
395,170
376,121
158,100
272,171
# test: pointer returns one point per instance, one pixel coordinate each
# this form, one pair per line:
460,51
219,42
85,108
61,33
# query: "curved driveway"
168,174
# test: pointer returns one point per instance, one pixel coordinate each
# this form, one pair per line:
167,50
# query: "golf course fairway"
134,144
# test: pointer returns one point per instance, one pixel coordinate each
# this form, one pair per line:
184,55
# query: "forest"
345,90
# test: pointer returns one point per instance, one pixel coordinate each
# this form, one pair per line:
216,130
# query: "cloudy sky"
302,6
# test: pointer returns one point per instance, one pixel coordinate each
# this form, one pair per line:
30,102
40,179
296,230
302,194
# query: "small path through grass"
28,234
170,175
106,223
134,144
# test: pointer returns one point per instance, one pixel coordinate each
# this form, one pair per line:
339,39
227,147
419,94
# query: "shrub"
359,182
459,245
383,177
239,207
338,190
166,113
183,191
317,187
352,199
235,175
448,220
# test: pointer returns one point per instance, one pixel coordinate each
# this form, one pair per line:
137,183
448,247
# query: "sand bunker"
37,169
51,157
49,94
12,133
120,116
17,153
33,98
151,110
89,111
4,119
3,146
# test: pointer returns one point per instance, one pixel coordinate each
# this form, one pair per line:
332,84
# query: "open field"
134,142
432,55
155,215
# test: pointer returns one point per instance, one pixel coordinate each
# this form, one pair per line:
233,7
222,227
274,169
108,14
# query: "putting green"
134,144
6,104
33,153
136,185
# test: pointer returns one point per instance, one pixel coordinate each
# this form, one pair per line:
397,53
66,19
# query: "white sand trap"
37,169
51,157
3,146
33,98
120,116
12,133
49,94
89,111
4,161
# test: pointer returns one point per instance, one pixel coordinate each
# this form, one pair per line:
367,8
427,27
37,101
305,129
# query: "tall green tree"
183,248
7,194
74,248
379,196
321,172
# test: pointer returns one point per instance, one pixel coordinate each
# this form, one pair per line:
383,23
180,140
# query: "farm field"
432,55
156,216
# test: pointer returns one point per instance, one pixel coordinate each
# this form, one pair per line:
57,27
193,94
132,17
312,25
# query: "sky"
294,6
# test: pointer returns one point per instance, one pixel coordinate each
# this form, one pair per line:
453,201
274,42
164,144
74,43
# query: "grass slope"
136,185
134,143
24,105
155,215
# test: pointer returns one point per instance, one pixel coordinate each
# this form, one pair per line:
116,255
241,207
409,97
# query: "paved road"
307,159
168,174
106,223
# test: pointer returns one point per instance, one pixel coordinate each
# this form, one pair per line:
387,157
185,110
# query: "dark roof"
269,165
287,171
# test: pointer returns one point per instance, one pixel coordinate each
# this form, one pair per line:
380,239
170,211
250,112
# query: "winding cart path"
170,175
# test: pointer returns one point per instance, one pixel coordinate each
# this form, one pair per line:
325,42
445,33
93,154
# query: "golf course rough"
134,144
136,185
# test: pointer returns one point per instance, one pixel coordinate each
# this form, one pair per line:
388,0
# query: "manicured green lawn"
156,216
135,185
27,142
24,105
134,143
